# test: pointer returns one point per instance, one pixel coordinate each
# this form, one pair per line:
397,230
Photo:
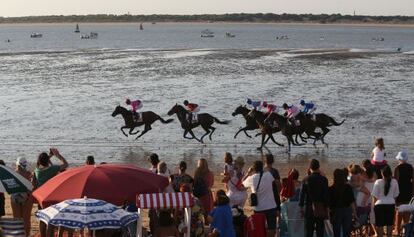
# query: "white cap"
402,155
21,161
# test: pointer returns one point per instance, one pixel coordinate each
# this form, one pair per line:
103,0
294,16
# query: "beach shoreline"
346,24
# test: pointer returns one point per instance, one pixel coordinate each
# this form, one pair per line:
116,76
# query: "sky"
10,8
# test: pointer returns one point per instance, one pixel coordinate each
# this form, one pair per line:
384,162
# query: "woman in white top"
378,156
235,190
384,192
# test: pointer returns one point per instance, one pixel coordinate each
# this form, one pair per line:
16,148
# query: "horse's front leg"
147,128
122,129
192,134
133,133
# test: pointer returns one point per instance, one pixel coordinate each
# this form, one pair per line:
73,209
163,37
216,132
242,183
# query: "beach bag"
253,196
200,187
319,210
255,225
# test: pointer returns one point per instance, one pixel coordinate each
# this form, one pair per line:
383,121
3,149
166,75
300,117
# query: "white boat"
77,29
92,35
229,35
207,33
36,35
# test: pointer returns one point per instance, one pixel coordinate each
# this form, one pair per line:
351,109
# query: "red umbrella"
114,183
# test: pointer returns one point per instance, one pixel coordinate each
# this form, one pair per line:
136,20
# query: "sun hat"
21,161
402,155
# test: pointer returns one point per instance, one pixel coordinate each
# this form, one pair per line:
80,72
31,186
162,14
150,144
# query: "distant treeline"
237,17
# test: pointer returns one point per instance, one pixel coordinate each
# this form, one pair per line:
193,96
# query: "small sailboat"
207,33
141,27
77,29
229,35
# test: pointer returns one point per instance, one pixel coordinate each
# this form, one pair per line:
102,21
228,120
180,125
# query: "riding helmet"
127,101
285,106
302,102
264,104
249,101
185,102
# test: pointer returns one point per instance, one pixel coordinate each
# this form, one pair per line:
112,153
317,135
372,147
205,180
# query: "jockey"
307,108
254,104
193,109
271,108
291,112
136,105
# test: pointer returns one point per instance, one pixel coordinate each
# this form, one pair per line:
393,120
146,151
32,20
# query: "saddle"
137,117
192,118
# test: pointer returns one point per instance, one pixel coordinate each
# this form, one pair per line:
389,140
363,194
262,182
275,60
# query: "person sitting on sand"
135,106
193,109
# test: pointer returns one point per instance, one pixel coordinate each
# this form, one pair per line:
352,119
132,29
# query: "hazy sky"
68,7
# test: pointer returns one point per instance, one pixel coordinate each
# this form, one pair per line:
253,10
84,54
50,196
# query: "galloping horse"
148,118
287,130
324,121
251,123
204,119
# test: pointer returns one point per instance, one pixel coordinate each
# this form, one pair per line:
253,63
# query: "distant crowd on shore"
362,198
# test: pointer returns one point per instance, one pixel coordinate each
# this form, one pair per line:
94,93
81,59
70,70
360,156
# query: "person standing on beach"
384,192
22,203
182,177
235,190
261,182
378,156
314,200
277,185
403,173
154,160
203,182
342,204
44,171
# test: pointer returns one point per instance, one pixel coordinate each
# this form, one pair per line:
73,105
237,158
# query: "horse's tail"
333,122
165,121
220,122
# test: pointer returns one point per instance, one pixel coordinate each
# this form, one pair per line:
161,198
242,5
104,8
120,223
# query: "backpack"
200,187
255,225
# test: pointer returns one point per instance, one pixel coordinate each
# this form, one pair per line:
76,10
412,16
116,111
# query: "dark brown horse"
148,118
288,130
252,124
324,121
204,120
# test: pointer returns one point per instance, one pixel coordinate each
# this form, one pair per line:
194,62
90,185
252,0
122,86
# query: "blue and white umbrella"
86,213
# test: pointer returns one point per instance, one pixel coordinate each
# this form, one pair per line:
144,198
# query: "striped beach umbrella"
12,182
88,213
